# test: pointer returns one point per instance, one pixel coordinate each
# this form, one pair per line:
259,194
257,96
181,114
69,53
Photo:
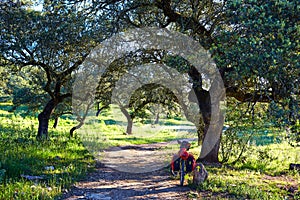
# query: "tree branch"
48,72
73,67
186,23
242,96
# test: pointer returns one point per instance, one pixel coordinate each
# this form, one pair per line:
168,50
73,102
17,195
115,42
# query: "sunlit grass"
59,161
262,173
96,131
273,159
248,184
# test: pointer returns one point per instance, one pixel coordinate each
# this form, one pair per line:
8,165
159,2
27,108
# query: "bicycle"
183,162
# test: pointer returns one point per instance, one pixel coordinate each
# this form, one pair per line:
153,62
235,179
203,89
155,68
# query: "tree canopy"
55,40
254,43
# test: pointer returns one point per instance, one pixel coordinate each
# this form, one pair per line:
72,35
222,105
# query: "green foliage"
272,159
246,126
44,48
294,134
261,174
25,90
3,81
254,43
178,63
267,41
259,46
233,146
2,173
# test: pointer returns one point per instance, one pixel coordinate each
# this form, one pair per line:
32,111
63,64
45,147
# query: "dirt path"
127,176
106,183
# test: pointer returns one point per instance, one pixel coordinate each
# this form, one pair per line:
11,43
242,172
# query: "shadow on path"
106,183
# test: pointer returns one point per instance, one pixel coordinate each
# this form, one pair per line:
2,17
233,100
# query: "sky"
38,5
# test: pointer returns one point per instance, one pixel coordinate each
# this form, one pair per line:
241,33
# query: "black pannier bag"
190,163
175,164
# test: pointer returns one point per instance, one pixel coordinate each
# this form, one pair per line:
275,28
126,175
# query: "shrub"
2,173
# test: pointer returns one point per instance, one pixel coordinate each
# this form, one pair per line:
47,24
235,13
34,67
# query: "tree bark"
156,119
44,118
212,156
200,131
72,130
208,104
129,126
129,121
55,122
204,101
212,129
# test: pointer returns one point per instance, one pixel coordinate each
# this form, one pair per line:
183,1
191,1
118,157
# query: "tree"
3,81
255,45
136,76
55,41
262,49
148,94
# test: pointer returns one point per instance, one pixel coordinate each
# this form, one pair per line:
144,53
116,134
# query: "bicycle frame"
182,156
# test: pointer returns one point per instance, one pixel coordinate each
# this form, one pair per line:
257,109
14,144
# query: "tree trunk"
211,135
156,119
212,156
44,118
209,104
72,130
129,121
129,126
200,133
55,122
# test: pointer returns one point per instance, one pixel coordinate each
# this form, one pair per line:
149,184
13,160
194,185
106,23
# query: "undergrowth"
263,173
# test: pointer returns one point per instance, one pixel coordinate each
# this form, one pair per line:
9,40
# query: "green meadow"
31,169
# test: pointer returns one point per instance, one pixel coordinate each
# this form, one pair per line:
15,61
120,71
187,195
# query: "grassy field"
56,164
264,174
52,165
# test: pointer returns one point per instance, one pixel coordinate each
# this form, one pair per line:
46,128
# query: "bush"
2,173
234,145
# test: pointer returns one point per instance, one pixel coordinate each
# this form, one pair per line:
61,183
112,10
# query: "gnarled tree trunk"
44,118
129,120
203,97
211,142
209,132
213,119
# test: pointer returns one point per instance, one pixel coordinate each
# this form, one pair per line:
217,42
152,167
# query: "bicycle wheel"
182,166
172,172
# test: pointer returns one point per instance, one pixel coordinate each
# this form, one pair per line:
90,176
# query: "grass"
249,184
58,162
272,159
108,130
261,174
